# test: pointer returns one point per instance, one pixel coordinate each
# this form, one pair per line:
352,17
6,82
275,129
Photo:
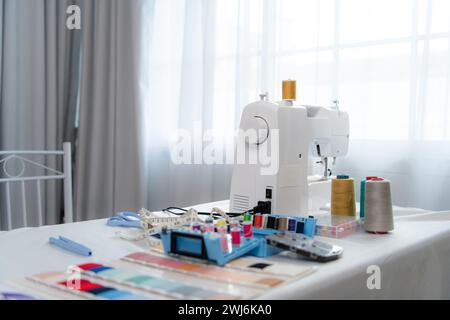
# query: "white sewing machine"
292,136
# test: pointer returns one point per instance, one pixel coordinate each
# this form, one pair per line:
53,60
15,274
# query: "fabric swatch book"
152,276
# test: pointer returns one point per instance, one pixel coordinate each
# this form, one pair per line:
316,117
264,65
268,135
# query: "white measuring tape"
153,224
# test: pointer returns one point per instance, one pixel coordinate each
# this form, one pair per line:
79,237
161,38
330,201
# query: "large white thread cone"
378,207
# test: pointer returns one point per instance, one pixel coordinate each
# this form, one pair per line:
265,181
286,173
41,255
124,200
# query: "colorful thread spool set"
223,246
222,229
377,202
303,225
343,196
235,230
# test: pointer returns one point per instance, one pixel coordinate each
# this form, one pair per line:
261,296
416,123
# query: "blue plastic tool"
70,245
15,296
125,219
206,246
264,249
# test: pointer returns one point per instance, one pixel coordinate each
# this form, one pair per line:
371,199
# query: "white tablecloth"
414,259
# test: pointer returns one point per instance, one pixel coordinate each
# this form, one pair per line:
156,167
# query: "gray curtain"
109,168
39,61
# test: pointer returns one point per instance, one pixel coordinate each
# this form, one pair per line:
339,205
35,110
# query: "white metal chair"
49,174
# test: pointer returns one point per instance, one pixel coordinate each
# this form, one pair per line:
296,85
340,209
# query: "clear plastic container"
334,226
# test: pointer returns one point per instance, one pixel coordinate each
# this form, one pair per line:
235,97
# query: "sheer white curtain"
387,62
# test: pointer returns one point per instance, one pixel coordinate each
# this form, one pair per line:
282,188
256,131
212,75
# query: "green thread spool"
362,197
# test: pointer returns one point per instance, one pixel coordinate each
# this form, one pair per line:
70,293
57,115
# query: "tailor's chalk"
70,245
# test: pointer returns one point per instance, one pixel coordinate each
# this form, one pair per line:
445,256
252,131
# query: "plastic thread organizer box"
217,247
334,226
210,246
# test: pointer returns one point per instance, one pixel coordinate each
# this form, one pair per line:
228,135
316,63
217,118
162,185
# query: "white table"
414,259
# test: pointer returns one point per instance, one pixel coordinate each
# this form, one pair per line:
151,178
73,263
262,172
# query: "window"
386,61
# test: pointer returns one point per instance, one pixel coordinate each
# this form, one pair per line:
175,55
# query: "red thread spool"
257,221
248,231
235,236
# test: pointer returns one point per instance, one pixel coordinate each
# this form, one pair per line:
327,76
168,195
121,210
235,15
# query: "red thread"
257,222
87,266
235,236
81,285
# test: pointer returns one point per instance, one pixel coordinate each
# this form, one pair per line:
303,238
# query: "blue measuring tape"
125,219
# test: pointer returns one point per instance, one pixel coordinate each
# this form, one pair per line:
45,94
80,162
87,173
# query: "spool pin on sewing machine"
305,134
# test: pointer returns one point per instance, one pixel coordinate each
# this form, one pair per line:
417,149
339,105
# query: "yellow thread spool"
283,224
343,196
289,90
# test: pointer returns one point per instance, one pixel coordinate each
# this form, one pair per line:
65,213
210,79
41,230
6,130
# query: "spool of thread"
248,229
257,221
271,223
300,226
221,223
378,206
221,226
247,225
343,196
289,90
235,236
209,225
292,224
309,228
196,227
362,195
264,221
283,224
